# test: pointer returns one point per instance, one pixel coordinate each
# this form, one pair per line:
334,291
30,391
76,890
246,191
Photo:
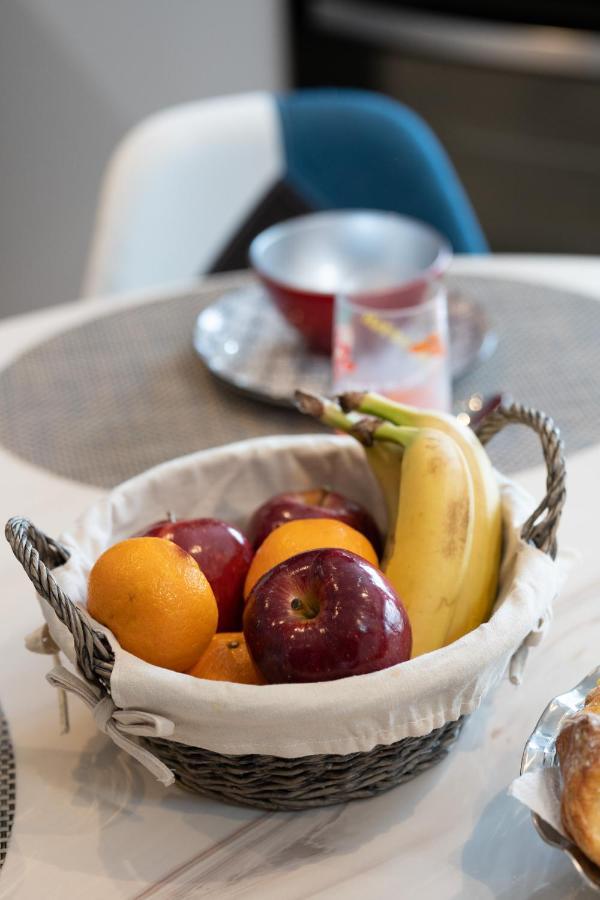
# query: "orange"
305,534
227,659
155,600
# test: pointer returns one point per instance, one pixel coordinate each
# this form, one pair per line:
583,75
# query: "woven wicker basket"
272,782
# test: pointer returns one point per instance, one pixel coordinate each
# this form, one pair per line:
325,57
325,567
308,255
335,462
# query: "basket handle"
38,554
541,526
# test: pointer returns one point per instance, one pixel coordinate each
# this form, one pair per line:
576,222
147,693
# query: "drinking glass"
396,347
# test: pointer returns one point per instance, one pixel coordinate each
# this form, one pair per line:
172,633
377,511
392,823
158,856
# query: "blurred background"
511,88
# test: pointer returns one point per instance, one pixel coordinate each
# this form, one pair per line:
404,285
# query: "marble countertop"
91,823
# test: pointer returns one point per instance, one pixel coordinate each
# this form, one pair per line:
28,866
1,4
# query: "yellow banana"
481,578
385,461
429,545
443,565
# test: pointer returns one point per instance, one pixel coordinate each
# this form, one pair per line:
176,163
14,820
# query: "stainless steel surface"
540,752
349,250
245,342
530,48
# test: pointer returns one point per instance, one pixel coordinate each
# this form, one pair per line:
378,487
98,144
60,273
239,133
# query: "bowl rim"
273,233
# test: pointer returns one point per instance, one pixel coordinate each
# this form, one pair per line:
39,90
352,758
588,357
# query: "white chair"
177,186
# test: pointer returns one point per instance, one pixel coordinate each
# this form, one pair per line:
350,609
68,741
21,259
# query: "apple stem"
310,606
307,608
323,494
170,516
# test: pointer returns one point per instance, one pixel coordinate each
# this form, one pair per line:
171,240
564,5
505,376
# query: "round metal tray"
244,341
540,753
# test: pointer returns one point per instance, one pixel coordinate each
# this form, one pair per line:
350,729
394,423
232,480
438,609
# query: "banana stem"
399,434
376,405
326,411
365,430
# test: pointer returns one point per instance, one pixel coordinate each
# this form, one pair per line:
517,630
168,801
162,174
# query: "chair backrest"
184,181
349,149
176,188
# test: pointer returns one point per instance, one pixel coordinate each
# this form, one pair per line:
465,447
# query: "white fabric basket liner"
349,715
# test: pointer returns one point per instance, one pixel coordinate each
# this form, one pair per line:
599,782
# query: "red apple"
325,614
223,554
319,503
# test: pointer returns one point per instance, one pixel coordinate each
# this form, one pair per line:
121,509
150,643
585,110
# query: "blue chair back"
348,148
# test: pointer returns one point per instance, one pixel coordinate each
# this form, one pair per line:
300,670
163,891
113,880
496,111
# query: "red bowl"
304,262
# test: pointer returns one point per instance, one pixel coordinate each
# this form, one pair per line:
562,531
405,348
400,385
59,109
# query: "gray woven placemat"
8,787
121,393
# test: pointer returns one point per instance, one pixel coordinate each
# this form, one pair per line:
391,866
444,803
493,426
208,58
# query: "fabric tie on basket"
119,724
533,639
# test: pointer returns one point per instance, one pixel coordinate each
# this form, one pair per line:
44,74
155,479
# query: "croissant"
578,747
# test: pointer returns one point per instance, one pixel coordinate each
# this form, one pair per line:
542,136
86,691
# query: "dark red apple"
322,615
319,503
223,554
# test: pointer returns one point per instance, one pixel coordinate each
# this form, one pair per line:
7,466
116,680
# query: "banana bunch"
443,547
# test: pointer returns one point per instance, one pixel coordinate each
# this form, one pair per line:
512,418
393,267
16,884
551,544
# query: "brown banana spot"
436,461
456,526
434,464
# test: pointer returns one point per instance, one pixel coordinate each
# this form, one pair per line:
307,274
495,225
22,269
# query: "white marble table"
91,824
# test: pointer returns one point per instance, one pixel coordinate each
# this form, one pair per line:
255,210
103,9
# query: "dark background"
521,123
